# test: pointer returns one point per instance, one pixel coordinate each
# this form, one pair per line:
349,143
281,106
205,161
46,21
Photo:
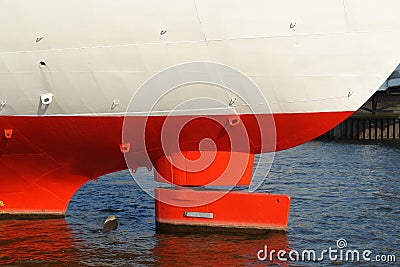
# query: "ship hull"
313,63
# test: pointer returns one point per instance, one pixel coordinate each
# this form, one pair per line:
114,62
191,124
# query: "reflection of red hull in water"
216,250
47,159
41,242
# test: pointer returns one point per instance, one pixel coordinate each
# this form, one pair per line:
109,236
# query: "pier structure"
377,119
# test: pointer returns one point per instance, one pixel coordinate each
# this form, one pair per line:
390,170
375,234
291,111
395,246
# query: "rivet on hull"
2,104
46,99
8,133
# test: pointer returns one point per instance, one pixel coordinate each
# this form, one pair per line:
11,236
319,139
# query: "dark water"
338,190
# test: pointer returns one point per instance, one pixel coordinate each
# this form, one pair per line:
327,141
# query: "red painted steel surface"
47,158
225,169
235,209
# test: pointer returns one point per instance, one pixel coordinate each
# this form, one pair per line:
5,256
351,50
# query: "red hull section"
44,160
225,169
235,210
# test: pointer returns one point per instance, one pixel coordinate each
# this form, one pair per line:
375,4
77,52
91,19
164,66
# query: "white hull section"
305,56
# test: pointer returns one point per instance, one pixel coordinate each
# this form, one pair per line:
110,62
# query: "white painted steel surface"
305,56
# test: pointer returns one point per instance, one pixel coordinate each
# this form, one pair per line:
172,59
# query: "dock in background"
378,119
